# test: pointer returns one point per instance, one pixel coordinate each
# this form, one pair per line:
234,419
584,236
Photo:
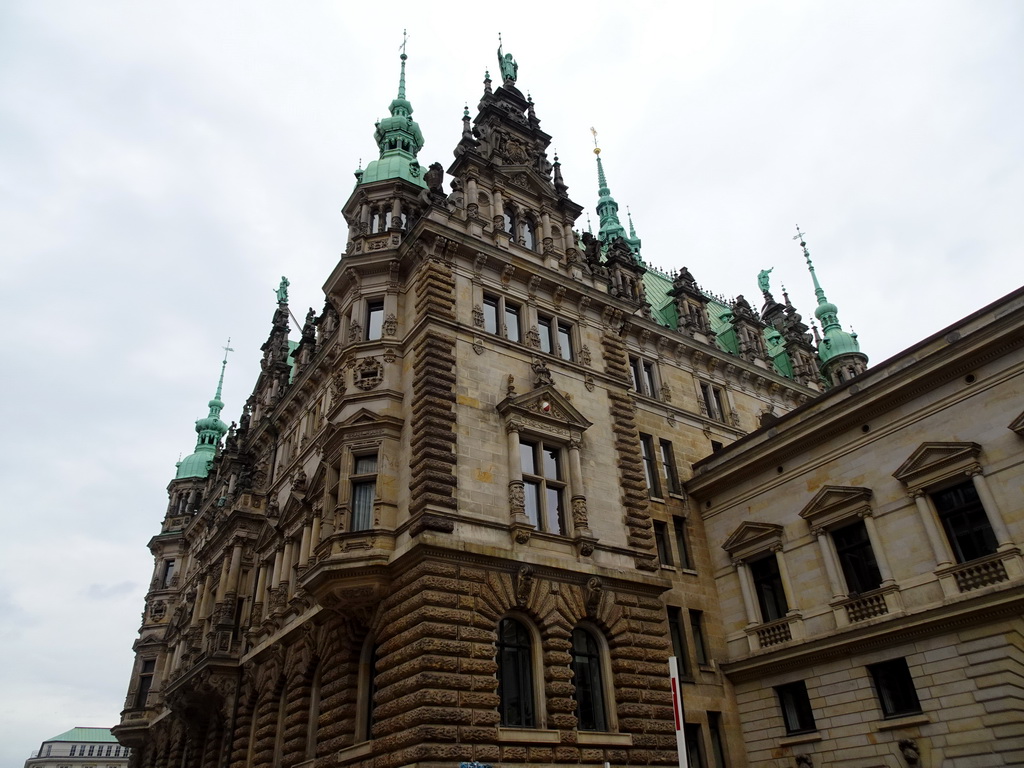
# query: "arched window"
587,677
529,234
509,217
515,675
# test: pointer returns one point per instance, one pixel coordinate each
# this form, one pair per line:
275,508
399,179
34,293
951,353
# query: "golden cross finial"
799,235
597,149
227,348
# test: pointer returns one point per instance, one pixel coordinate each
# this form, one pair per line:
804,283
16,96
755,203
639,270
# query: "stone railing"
866,607
772,634
980,574
1000,567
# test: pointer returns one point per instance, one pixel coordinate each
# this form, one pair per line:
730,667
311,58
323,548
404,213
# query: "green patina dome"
399,139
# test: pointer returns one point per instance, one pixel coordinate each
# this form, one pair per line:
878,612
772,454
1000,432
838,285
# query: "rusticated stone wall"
627,449
433,477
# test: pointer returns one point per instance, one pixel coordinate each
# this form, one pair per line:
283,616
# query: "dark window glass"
965,522
515,675
717,744
511,322
374,319
895,688
587,678
547,342
145,682
650,465
699,647
668,464
857,558
682,546
491,314
661,540
501,317
364,489
509,218
678,636
529,234
796,707
694,745
565,341
543,485
771,596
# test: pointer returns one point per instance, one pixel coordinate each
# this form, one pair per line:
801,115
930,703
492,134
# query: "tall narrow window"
73,746
678,637
796,707
565,350
650,465
717,743
367,690
857,558
509,220
374,320
771,596
694,745
644,379
895,688
682,545
668,465
544,485
168,573
529,234
515,675
587,678
965,522
699,643
145,682
547,340
661,541
714,401
555,337
364,489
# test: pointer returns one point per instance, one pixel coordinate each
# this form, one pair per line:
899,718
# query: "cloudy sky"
162,165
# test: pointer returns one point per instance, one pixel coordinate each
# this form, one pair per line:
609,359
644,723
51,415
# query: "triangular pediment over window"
834,503
1017,425
544,406
934,463
752,538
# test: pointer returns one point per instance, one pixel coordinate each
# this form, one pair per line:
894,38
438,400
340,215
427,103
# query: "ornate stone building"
452,523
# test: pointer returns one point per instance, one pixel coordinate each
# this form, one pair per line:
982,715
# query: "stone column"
222,583
307,532
285,582
580,519
747,591
314,536
939,546
831,566
881,559
235,568
784,575
516,494
197,611
995,519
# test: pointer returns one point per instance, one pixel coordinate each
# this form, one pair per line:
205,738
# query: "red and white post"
677,710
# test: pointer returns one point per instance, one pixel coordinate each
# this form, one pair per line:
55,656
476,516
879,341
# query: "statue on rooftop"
282,290
762,279
507,65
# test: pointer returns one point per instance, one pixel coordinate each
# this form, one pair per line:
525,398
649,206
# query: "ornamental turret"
839,355
210,430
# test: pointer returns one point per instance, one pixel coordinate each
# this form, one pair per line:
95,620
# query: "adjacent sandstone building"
452,523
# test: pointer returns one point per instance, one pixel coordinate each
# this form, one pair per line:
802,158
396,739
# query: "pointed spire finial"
629,217
403,57
224,364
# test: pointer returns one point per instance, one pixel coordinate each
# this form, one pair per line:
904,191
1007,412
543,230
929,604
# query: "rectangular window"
965,522
661,540
668,465
644,378
682,545
694,746
168,573
856,558
771,596
555,337
699,647
717,743
91,749
364,489
145,682
501,317
650,465
109,748
678,636
73,746
714,401
796,707
374,320
544,485
895,688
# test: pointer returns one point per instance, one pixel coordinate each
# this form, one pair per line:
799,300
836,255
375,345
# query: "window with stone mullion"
543,485
587,679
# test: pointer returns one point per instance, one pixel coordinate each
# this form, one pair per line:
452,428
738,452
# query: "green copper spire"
399,139
835,341
608,210
210,429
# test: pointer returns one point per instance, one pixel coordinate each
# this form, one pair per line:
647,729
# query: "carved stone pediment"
546,406
834,503
934,463
752,538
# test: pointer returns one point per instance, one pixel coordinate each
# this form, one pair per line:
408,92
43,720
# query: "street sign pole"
677,710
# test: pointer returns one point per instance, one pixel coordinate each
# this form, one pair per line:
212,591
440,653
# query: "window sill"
904,721
800,738
605,738
532,735
356,751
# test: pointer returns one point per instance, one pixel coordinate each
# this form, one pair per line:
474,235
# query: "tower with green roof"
210,430
839,355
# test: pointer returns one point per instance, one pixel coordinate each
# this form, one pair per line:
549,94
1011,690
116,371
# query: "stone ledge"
802,738
527,735
903,722
605,738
